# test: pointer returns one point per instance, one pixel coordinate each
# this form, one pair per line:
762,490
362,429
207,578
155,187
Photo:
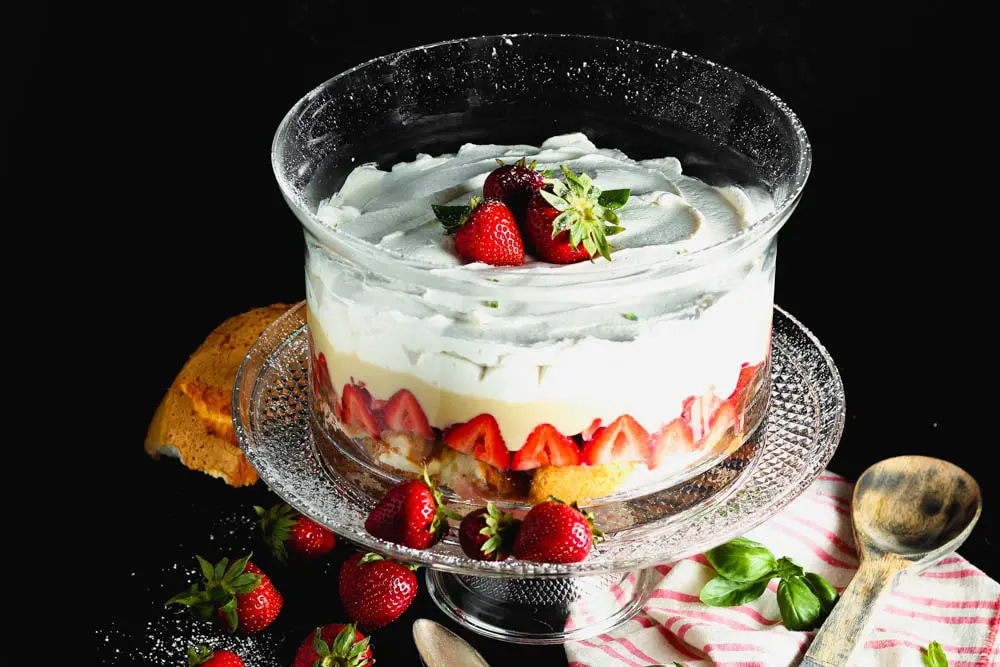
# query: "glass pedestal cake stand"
539,603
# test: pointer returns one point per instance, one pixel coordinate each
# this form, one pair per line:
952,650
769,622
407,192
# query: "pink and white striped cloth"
953,603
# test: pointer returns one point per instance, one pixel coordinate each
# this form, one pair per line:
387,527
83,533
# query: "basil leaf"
742,560
614,198
935,657
722,592
826,593
800,608
788,568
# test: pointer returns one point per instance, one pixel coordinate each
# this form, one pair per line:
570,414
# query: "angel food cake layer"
540,378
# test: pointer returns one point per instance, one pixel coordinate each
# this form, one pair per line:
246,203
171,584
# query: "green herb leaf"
491,304
452,217
722,592
206,568
800,608
789,568
229,613
631,316
826,593
742,560
614,198
935,656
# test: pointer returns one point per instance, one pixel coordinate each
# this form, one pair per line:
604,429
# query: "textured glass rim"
761,229
826,438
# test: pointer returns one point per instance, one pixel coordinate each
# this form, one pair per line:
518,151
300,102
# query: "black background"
184,102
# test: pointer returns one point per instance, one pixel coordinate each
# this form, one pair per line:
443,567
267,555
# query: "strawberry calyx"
199,655
453,217
597,533
586,212
372,557
276,524
222,583
501,529
344,651
439,524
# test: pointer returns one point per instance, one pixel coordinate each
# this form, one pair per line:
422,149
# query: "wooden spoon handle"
848,623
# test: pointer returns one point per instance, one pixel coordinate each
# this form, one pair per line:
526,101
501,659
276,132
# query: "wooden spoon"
908,512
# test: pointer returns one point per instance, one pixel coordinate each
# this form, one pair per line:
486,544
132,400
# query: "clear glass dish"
409,360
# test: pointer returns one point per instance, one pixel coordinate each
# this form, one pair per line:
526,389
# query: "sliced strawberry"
588,432
722,419
480,436
403,413
747,374
546,446
674,438
623,440
698,410
356,409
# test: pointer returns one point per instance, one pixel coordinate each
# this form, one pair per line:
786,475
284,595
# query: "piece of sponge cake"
194,422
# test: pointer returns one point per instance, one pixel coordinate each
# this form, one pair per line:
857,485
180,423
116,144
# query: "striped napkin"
953,603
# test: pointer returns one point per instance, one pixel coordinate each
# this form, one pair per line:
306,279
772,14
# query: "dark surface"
195,95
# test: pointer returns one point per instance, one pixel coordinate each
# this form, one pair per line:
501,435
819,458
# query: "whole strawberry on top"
485,231
412,514
554,532
375,591
240,595
285,530
208,658
572,222
513,184
488,533
334,645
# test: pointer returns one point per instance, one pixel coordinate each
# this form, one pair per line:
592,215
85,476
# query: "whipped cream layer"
548,359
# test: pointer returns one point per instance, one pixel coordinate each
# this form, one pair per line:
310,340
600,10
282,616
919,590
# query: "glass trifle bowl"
605,378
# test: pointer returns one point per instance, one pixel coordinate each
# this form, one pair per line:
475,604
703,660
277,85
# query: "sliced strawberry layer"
402,412
674,438
588,432
622,440
722,419
480,436
546,446
356,409
698,410
747,373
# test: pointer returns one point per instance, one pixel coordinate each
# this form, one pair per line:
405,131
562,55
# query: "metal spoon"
440,647
908,512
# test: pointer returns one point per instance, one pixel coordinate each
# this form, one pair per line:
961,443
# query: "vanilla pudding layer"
557,357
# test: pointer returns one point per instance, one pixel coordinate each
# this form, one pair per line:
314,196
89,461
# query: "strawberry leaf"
614,198
229,613
238,567
321,647
220,567
451,217
206,568
554,201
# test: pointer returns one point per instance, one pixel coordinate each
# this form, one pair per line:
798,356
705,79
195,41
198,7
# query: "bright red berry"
485,231
205,657
480,436
285,530
242,597
546,446
488,533
513,184
572,223
374,591
412,514
622,441
334,645
554,532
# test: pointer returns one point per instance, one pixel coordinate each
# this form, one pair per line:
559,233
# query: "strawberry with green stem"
334,645
488,533
286,530
554,532
375,591
239,594
412,514
205,657
484,231
513,184
572,222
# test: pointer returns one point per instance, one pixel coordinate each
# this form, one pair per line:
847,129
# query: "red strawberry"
487,533
623,440
412,514
513,184
674,438
485,231
546,446
208,658
588,432
747,374
722,419
375,591
241,595
554,532
286,530
572,223
334,645
346,576
403,413
480,436
356,409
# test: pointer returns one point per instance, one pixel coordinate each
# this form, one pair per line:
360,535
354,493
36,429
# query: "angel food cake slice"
507,328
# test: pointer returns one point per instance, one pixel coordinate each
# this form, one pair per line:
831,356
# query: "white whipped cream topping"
681,343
